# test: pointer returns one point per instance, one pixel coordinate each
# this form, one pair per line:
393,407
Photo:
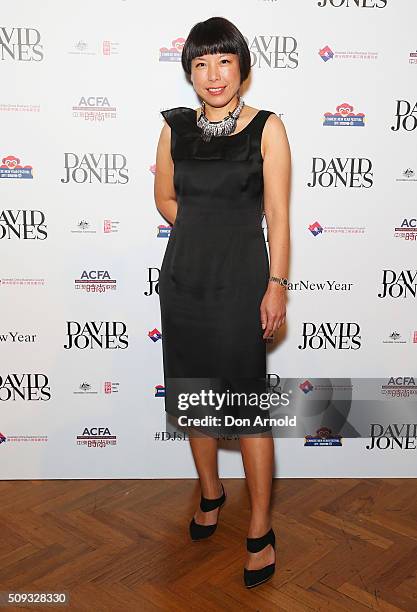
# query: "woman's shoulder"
176,116
251,111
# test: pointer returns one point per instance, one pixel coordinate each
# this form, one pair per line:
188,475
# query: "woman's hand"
273,308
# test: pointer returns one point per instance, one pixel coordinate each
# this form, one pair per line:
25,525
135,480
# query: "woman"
217,168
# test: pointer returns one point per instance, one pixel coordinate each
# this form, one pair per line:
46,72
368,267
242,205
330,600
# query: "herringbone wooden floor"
122,545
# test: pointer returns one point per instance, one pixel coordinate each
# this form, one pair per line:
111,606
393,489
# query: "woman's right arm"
164,190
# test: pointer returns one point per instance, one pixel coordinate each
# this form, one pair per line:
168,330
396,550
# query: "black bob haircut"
216,35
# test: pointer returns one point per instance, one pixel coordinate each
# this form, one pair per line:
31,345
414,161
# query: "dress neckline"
194,119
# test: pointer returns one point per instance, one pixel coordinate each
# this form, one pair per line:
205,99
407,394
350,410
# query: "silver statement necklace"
218,128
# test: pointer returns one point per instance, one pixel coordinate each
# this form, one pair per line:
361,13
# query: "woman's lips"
215,91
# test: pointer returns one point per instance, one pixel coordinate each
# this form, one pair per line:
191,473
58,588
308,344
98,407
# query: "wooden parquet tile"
122,545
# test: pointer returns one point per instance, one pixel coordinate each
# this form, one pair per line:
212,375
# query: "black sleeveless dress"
213,276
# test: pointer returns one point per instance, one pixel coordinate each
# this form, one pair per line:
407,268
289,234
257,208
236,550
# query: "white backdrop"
83,84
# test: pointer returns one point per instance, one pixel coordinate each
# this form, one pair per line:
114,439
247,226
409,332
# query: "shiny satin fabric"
215,269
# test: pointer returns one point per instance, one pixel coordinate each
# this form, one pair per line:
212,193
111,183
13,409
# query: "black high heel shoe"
257,576
198,531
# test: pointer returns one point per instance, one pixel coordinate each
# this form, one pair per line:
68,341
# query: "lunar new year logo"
173,53
344,116
11,168
323,437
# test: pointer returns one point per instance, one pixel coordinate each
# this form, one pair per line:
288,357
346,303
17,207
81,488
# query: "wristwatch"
280,280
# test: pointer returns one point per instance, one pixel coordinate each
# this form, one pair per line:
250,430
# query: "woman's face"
216,77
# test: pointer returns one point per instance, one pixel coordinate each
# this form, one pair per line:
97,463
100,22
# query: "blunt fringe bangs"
216,35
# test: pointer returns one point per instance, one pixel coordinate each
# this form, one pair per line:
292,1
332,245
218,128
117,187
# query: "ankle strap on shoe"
256,544
211,504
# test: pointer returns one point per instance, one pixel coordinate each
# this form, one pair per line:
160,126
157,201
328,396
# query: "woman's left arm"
277,178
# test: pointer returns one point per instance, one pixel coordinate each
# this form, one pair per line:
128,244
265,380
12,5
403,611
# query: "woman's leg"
258,461
204,449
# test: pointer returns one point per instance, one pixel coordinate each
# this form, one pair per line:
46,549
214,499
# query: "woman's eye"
202,63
